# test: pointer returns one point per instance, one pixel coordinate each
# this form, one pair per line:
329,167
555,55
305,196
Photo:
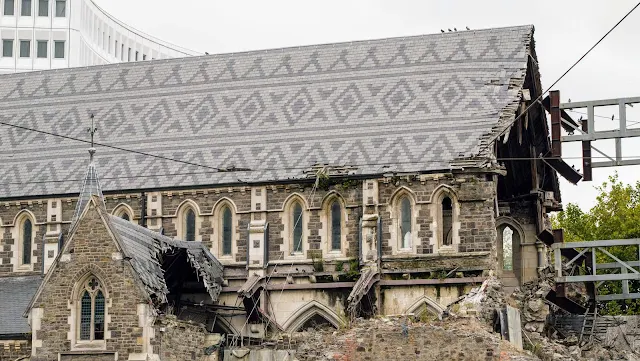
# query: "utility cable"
67,180
535,101
112,147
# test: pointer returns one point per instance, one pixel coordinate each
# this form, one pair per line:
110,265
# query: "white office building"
52,34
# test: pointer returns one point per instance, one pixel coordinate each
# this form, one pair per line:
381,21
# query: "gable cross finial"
92,131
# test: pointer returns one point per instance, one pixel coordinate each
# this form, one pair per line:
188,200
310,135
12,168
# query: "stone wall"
13,349
93,251
179,340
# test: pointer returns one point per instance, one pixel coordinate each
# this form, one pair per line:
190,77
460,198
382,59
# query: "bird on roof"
442,31
454,29
449,29
467,28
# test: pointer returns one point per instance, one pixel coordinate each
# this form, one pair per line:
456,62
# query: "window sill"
24,268
96,345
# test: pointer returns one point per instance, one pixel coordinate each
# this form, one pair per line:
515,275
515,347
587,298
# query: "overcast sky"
564,31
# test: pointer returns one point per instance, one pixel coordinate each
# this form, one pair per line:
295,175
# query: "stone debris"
405,338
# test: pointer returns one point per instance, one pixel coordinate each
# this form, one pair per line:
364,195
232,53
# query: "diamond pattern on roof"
408,104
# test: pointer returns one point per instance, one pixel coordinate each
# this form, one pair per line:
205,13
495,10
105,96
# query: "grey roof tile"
15,295
276,112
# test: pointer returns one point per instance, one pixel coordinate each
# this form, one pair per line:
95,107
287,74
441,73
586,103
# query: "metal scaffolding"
585,266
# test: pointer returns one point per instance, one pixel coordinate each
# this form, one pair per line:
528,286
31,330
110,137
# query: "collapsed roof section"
147,249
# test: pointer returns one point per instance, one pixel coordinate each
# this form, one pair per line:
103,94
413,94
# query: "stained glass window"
27,229
336,226
297,227
190,223
85,316
405,222
226,231
92,311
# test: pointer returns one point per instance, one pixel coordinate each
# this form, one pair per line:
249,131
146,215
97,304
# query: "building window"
25,48
58,50
190,225
61,8
43,8
144,57
122,52
296,227
92,310
227,230
26,8
137,54
42,48
447,222
129,55
109,46
336,226
7,48
125,216
9,7
116,49
27,240
405,222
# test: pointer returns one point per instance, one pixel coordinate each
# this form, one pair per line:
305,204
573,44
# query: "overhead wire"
111,146
284,168
537,99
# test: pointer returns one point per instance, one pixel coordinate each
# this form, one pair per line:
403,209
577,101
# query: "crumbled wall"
178,340
92,250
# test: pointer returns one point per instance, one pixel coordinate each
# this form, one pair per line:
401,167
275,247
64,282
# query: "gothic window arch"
224,233
24,235
295,218
296,227
189,225
123,211
405,212
445,208
336,223
188,221
26,240
91,312
227,231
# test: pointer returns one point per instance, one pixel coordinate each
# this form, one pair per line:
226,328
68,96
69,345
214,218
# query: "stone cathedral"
253,194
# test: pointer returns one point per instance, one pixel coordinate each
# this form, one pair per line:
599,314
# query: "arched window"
336,226
507,249
296,225
125,216
447,222
27,239
190,225
405,222
92,309
227,229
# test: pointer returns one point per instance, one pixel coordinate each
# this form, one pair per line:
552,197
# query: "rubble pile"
405,338
534,311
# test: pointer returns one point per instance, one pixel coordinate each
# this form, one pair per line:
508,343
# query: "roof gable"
409,104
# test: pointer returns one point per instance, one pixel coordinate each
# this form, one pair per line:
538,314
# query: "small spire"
91,184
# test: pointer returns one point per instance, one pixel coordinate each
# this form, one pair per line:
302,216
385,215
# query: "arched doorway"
509,252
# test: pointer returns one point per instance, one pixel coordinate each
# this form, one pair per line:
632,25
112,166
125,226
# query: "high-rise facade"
53,34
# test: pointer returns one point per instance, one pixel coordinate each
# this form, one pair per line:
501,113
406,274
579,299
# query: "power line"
631,123
112,147
535,101
290,168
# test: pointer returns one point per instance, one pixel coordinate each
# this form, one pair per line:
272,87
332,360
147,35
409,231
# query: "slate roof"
144,247
15,295
409,104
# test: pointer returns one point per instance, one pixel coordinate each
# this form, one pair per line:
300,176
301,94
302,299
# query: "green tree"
616,215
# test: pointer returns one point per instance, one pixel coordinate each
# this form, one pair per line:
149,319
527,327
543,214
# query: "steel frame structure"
589,134
624,271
